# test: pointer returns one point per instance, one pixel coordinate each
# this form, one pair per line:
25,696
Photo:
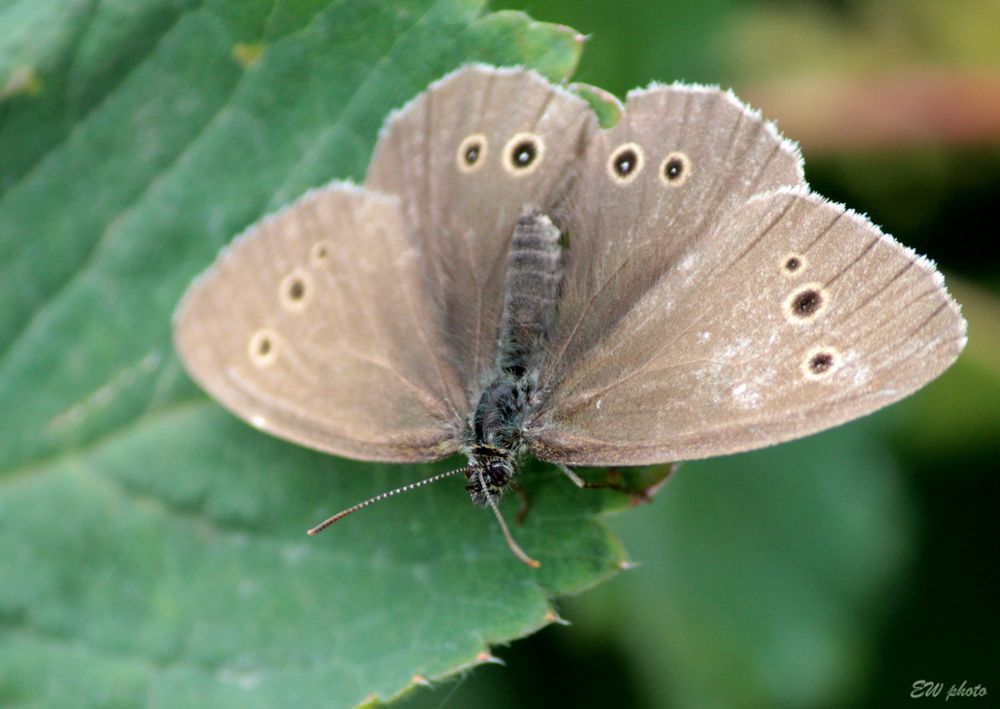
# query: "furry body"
493,438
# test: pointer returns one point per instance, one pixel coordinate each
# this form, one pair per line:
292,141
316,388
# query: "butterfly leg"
613,481
568,472
522,514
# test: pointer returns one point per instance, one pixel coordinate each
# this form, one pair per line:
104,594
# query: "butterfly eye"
625,163
806,304
296,290
821,362
675,169
523,154
264,347
471,153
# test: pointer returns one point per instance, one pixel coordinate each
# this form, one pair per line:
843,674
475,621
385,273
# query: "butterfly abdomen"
534,272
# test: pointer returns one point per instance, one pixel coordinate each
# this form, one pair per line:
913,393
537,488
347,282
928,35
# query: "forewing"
314,326
697,153
463,212
791,316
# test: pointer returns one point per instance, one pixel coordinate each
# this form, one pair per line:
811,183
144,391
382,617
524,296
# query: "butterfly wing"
314,326
625,232
452,155
779,315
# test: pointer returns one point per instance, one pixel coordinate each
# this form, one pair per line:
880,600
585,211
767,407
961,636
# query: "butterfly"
512,279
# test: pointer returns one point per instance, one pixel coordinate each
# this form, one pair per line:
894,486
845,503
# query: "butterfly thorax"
496,443
494,439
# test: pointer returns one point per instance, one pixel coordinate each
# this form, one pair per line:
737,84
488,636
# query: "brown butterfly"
512,279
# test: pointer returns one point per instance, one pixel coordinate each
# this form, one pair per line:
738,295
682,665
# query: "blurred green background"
839,570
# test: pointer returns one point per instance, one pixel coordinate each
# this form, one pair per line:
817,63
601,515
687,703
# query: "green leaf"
632,43
768,573
152,547
605,105
760,580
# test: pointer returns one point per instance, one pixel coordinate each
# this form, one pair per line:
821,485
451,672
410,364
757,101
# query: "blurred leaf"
896,73
153,548
859,37
763,580
634,41
605,105
959,412
761,576
904,109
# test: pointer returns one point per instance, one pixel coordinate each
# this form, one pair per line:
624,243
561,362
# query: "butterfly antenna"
405,488
514,547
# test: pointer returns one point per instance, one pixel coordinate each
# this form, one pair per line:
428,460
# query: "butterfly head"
488,476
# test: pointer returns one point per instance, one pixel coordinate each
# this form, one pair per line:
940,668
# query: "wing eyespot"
296,290
625,163
264,347
523,154
319,254
471,153
821,362
805,304
675,169
793,264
